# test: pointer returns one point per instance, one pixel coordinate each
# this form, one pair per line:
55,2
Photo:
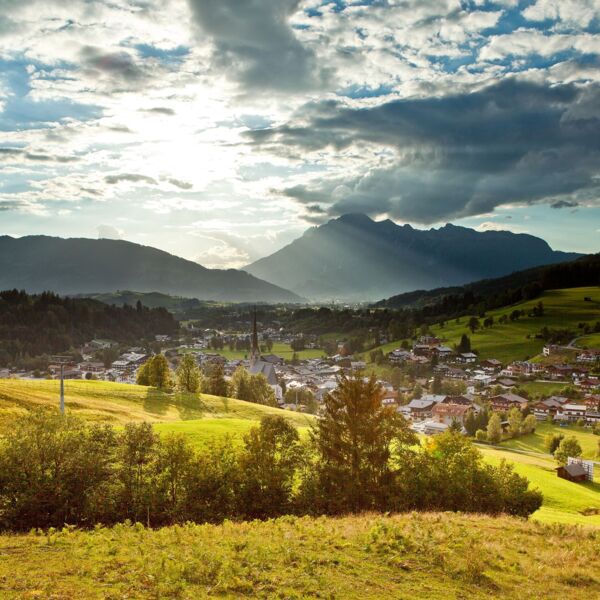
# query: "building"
447,413
258,366
504,402
573,472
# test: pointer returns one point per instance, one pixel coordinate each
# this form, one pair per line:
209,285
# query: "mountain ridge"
85,265
356,258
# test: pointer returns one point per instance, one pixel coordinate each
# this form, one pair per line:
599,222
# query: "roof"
508,397
574,470
422,404
264,368
457,410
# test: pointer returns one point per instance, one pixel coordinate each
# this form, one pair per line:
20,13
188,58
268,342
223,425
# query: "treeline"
33,325
360,456
494,293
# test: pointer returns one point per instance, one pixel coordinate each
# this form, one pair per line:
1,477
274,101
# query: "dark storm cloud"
458,155
131,177
182,185
255,44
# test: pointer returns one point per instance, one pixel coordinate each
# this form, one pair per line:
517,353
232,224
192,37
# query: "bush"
552,441
481,435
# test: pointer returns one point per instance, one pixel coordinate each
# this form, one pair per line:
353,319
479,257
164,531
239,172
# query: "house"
399,356
588,356
592,417
466,358
433,427
443,352
573,472
490,364
571,412
506,382
447,413
504,402
420,408
545,408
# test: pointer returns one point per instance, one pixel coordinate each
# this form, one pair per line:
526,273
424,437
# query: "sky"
219,130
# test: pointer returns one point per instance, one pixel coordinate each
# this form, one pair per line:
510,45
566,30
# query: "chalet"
506,382
490,364
592,417
504,402
422,350
462,400
447,413
573,472
588,356
571,412
453,373
546,408
443,352
466,358
589,385
420,409
592,401
399,356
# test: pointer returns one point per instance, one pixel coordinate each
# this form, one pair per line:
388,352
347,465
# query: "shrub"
481,435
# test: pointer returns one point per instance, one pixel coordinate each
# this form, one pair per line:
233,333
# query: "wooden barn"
572,472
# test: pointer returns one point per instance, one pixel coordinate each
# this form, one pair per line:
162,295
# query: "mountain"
356,258
82,266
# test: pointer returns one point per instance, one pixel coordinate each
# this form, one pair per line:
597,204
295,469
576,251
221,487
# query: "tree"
474,324
396,377
494,429
155,372
188,375
354,440
552,441
252,388
417,391
481,435
515,418
436,385
464,345
529,424
272,454
214,383
569,447
470,423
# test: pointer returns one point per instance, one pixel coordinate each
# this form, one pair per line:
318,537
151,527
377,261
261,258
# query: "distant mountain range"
84,266
356,258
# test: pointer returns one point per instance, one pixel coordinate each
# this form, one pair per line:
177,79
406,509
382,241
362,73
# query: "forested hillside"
31,325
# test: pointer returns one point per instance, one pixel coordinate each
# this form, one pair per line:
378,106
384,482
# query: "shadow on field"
156,402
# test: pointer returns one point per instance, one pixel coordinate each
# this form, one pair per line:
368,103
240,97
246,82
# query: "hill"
429,555
356,258
200,415
493,293
516,340
84,266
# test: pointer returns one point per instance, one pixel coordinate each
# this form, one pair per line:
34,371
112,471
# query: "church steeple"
255,351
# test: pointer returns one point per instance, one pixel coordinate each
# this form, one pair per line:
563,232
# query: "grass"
564,501
283,350
534,442
589,341
538,389
564,308
199,414
430,555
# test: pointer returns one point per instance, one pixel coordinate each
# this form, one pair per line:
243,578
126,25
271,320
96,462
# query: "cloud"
131,177
256,46
109,232
564,204
34,156
160,110
434,159
183,185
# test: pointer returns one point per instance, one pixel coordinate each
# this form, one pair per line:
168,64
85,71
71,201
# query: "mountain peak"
355,219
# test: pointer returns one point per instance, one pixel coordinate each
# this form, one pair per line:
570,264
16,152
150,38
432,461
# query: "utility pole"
62,361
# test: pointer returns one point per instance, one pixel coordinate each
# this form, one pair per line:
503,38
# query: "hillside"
515,340
356,258
429,555
492,293
200,415
83,266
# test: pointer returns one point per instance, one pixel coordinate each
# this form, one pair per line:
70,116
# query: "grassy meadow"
202,418
199,415
439,556
283,350
564,308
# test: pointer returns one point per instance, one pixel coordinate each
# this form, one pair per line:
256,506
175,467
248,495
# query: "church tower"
255,350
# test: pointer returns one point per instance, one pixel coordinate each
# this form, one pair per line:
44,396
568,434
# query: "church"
257,365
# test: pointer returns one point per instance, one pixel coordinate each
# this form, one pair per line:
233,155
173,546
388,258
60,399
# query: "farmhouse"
504,402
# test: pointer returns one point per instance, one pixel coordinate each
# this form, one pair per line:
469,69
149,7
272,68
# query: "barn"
572,472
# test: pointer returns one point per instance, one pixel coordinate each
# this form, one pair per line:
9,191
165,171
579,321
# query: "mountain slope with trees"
83,266
356,258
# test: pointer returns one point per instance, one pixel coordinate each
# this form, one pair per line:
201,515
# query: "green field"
589,341
564,308
283,350
438,556
198,414
534,442
537,389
